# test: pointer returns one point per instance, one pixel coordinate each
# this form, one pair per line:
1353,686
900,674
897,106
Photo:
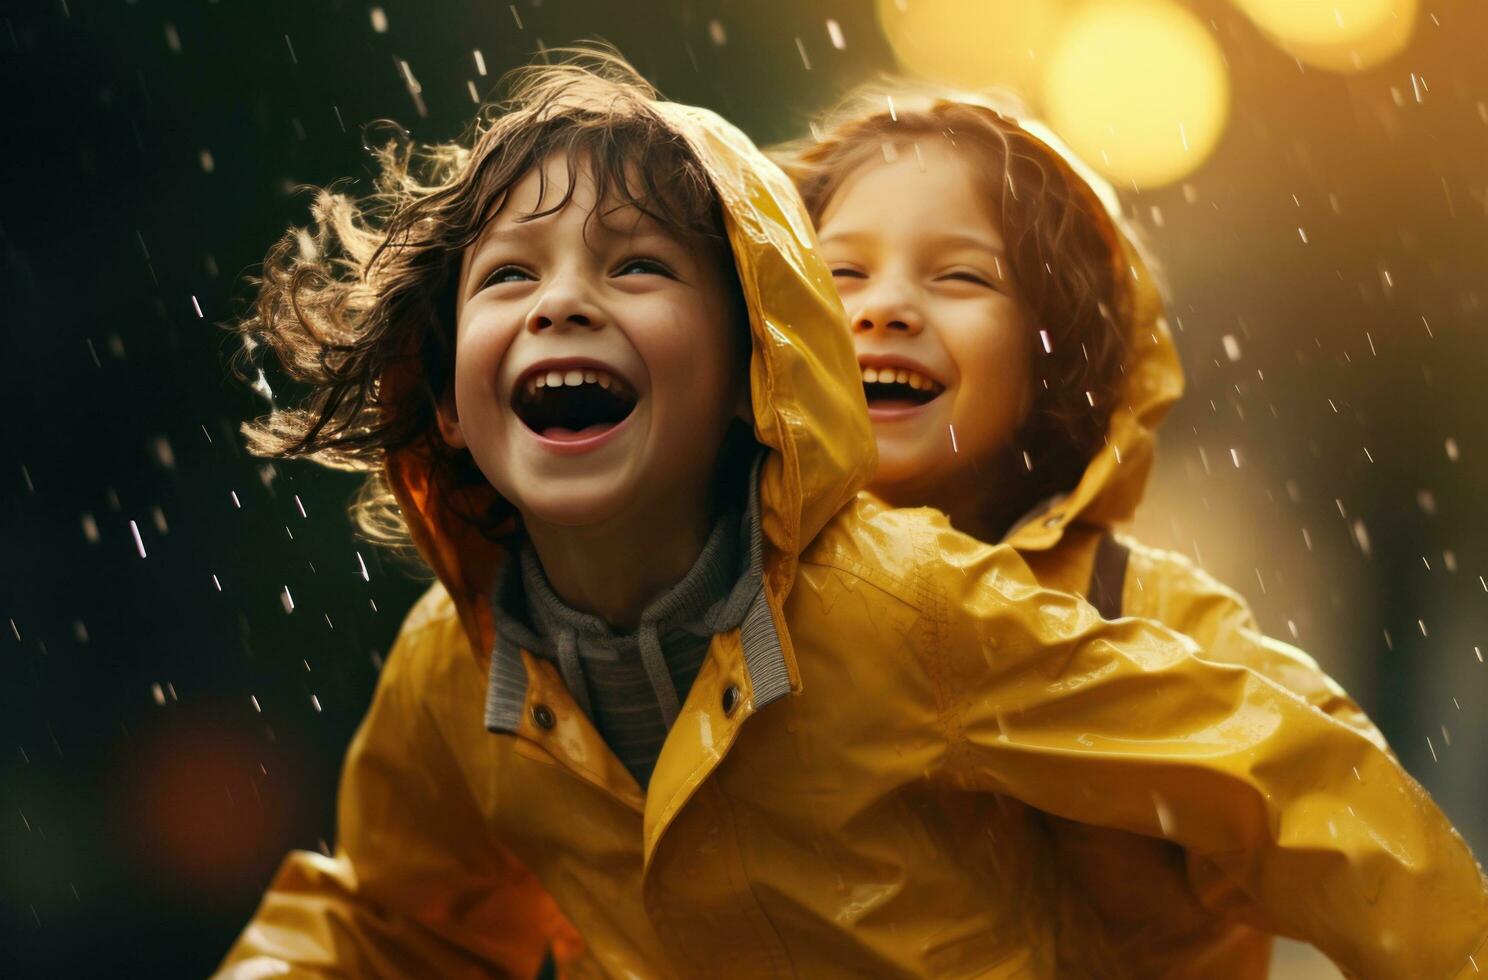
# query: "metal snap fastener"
730,699
543,716
1053,521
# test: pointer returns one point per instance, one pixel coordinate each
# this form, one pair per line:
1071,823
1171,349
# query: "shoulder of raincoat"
1061,542
881,814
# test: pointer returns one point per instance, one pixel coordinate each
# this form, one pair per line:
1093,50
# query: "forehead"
928,186
567,186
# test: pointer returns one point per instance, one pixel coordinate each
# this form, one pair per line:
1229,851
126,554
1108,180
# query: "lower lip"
580,442
894,413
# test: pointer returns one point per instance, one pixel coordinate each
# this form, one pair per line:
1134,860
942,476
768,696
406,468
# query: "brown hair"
360,306
1063,248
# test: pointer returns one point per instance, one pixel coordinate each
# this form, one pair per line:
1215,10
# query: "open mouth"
898,388
572,403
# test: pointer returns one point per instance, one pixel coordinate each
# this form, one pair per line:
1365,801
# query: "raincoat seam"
890,586
748,888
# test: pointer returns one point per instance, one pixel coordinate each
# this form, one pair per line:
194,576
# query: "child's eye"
643,267
508,273
964,275
845,272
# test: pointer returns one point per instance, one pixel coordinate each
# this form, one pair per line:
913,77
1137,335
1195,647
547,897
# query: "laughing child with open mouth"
680,685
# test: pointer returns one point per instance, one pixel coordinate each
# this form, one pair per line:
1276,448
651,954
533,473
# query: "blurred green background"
173,723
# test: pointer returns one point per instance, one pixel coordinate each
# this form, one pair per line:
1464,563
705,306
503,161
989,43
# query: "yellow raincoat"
1147,916
881,814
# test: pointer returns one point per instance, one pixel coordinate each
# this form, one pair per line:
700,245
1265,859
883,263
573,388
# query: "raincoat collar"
507,681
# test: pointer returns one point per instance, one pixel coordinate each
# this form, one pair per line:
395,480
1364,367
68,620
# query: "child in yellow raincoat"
678,679
1016,364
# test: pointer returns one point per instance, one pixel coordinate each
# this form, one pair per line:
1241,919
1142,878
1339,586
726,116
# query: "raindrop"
164,454
1164,814
834,31
801,49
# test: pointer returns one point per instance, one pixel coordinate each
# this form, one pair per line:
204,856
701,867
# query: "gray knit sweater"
632,686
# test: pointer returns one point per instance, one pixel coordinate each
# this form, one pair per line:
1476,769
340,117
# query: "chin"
581,502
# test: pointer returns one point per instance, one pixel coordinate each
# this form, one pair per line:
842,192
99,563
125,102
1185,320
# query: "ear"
449,419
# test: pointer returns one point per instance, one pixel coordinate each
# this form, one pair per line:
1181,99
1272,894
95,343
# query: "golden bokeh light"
1138,88
1339,35
971,44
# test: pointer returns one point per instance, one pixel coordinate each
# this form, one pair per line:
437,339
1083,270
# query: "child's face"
594,369
943,341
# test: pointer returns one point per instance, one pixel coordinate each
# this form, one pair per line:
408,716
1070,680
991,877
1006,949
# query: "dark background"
164,740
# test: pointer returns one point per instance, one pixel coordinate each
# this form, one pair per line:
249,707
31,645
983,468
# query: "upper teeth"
573,377
902,376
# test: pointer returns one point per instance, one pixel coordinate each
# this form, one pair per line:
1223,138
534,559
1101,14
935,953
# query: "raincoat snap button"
730,699
1053,521
543,715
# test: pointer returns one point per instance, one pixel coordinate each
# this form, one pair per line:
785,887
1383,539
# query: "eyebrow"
971,240
949,240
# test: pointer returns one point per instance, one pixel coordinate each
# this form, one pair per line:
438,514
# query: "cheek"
688,353
480,347
993,358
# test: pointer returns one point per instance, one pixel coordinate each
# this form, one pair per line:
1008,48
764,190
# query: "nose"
886,309
564,304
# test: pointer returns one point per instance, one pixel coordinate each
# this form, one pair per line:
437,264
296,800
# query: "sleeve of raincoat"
417,886
1170,589
1120,724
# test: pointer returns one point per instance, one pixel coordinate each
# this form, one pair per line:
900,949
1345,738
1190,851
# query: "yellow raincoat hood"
882,820
1116,477
1114,480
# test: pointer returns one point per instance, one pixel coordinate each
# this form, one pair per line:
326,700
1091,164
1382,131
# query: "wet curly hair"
359,307
1064,250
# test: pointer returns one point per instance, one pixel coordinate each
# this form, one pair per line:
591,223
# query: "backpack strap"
1108,576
